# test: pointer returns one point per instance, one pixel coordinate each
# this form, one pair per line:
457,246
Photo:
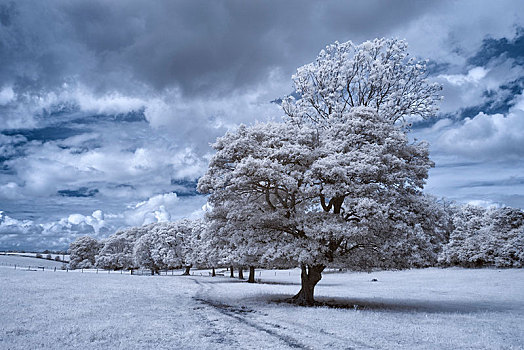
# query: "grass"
415,309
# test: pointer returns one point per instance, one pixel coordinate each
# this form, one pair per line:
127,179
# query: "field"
415,309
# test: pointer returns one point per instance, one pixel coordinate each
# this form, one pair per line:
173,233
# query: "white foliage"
481,237
378,74
83,252
337,195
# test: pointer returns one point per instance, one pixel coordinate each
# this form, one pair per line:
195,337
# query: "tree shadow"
405,305
297,283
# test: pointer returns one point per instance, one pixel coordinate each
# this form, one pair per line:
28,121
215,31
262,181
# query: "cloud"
6,95
59,233
488,137
108,104
200,47
474,76
158,208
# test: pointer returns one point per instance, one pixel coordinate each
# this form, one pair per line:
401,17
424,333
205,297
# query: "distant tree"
38,256
57,258
191,232
143,252
83,252
486,237
117,250
48,257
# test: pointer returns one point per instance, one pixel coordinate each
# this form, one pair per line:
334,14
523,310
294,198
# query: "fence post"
82,270
55,269
15,266
96,270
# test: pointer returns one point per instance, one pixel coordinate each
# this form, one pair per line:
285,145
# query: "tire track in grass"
215,333
246,316
239,314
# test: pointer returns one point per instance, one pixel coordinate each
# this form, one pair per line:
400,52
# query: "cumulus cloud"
27,234
488,137
158,208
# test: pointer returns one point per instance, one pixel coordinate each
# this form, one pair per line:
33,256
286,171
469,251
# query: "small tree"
83,252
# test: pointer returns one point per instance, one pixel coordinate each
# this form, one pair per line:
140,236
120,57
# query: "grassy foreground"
416,309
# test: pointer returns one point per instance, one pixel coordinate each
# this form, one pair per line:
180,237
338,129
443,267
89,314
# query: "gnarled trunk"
251,278
186,272
213,273
232,269
310,276
241,273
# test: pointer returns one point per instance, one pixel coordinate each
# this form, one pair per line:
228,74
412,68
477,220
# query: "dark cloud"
185,187
201,47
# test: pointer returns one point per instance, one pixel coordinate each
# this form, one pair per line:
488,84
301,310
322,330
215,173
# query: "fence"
266,274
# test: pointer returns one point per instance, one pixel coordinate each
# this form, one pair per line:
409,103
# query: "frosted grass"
417,309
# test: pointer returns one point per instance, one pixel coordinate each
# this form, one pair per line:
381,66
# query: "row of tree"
468,236
486,237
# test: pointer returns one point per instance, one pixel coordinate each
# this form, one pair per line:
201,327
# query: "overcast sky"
107,108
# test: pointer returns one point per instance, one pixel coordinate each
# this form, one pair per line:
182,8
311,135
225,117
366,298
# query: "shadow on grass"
297,283
402,305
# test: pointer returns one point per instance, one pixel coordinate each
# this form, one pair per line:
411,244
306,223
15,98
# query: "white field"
53,256
415,309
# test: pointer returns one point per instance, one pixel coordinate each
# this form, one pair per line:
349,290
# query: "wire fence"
164,272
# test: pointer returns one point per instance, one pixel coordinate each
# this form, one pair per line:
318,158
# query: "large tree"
337,184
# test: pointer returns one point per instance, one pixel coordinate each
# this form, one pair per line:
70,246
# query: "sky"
108,108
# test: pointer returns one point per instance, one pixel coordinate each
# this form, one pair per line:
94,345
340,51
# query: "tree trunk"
251,278
232,270
241,273
310,276
213,273
186,272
